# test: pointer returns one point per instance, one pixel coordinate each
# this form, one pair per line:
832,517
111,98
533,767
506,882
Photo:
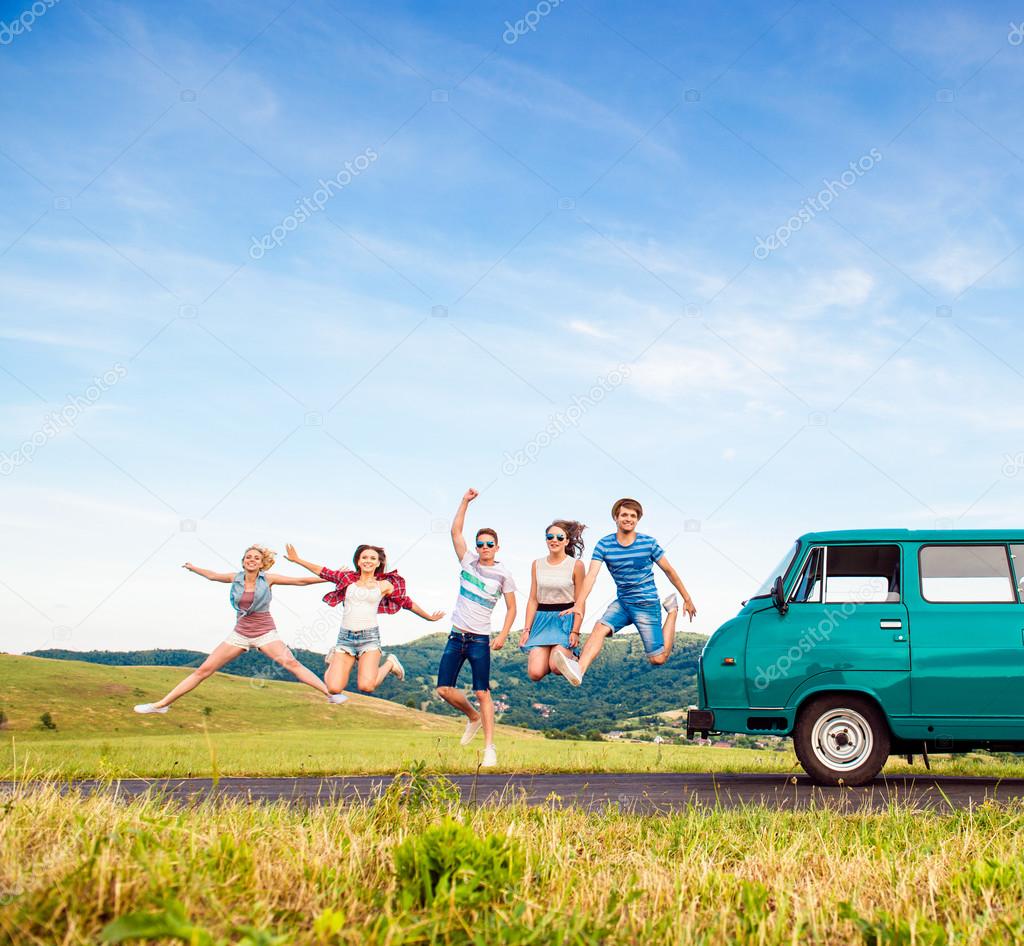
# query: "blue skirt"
549,628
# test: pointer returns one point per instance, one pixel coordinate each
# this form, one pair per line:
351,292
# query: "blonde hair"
269,556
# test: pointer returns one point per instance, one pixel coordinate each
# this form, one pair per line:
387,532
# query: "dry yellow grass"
273,874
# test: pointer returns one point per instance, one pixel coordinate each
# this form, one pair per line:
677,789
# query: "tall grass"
418,867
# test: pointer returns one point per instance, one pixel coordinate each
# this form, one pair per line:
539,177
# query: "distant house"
615,734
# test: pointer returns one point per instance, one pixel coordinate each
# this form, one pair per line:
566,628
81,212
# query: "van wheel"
841,739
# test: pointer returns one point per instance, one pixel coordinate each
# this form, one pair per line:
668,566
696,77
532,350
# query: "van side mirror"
779,596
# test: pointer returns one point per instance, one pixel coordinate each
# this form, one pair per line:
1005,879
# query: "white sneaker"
671,603
472,728
337,697
570,669
490,758
150,708
396,667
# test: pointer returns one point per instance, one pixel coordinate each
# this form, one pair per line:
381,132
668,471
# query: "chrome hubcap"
842,739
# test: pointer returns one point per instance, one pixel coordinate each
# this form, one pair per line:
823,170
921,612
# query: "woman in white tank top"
556,578
361,592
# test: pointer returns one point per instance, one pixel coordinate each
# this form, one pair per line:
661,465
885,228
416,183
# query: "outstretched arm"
206,573
583,591
293,556
677,583
459,523
431,616
291,580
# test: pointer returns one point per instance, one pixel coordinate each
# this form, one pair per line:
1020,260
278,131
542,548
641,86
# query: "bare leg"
371,673
338,671
221,655
551,657
278,652
669,631
593,645
538,663
483,697
385,669
453,696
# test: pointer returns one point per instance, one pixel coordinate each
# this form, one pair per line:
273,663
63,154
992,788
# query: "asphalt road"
645,793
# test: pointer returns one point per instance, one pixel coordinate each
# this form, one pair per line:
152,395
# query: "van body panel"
949,674
727,643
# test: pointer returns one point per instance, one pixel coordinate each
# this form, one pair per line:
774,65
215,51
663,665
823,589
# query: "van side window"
808,588
862,574
966,573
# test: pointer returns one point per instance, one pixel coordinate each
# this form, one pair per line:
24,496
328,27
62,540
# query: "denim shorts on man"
356,643
463,646
646,615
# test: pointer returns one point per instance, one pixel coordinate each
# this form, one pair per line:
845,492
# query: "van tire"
841,739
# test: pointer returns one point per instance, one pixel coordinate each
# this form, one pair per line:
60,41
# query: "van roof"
915,535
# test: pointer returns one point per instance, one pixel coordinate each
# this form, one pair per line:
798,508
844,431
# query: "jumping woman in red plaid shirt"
367,591
255,628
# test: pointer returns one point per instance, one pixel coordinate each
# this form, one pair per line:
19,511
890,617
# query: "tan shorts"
237,640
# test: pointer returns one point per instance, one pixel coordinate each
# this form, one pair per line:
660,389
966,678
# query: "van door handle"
891,624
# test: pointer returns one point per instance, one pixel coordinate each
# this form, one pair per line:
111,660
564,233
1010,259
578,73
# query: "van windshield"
781,569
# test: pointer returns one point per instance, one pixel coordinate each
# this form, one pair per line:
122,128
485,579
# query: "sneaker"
472,728
337,697
150,708
396,667
490,758
671,603
570,669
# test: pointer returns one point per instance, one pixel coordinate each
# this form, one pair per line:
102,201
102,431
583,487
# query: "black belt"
556,607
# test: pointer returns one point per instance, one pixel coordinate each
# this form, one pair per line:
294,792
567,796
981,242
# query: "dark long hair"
574,535
376,548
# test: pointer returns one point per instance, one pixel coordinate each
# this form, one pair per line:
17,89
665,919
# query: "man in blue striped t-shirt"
630,557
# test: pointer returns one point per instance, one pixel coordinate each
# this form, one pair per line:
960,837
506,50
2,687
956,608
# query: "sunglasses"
551,536
480,544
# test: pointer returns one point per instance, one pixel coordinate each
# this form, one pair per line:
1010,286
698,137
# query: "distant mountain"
620,685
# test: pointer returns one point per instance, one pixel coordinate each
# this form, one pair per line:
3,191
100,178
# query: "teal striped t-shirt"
480,587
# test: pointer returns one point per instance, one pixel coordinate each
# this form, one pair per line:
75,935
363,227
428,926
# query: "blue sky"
576,210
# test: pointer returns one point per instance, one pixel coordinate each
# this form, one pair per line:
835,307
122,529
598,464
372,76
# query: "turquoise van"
871,642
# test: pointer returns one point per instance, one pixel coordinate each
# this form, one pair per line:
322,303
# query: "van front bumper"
699,721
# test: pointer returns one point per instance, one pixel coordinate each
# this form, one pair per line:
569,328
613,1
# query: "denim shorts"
355,643
463,646
646,615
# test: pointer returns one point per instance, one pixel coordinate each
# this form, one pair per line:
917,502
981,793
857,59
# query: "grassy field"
416,867
238,726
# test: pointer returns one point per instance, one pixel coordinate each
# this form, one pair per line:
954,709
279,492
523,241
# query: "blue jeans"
463,646
646,615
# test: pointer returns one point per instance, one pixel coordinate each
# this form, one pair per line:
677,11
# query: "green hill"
620,685
86,699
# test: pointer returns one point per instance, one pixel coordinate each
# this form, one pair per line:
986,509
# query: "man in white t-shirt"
481,583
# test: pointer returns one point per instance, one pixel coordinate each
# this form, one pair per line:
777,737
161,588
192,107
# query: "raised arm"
587,586
677,582
206,573
293,580
459,523
293,556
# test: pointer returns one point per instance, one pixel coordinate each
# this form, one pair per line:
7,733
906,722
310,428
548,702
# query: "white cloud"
588,328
